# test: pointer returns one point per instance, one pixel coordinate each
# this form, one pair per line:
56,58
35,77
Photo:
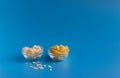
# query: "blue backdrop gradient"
90,28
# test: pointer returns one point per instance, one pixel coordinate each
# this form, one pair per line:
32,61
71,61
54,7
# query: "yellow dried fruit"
30,51
59,50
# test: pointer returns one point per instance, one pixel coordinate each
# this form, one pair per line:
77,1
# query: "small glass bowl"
57,57
33,55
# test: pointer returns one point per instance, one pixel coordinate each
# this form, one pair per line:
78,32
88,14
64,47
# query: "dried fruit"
32,53
58,52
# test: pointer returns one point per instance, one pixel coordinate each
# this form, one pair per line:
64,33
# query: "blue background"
90,28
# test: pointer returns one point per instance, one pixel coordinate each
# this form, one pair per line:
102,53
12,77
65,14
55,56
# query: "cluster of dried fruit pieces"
59,50
32,53
57,53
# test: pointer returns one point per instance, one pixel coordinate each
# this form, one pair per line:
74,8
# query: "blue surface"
90,28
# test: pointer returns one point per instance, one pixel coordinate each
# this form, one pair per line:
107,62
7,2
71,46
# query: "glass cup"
59,57
31,54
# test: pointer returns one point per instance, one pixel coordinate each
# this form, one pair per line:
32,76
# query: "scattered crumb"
44,65
50,67
34,62
39,66
35,68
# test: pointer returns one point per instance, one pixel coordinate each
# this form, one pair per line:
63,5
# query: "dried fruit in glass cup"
58,52
32,53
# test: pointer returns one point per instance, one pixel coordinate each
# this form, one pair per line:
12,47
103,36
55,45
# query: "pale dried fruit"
32,53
